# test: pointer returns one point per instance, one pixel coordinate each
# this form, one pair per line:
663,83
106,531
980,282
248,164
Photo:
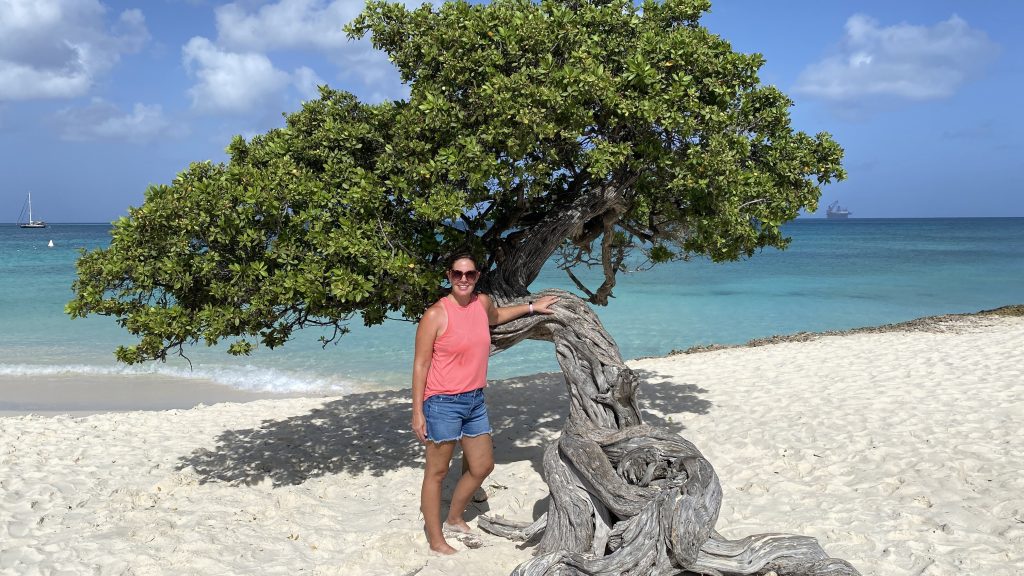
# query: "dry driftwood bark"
627,498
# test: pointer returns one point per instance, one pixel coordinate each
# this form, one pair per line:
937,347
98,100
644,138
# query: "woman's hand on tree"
543,304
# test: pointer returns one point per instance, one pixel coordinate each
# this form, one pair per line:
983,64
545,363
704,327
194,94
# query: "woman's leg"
478,453
480,495
439,457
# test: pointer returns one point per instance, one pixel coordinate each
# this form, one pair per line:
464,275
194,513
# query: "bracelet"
531,307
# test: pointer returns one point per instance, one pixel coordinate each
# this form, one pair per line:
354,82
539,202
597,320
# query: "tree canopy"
600,132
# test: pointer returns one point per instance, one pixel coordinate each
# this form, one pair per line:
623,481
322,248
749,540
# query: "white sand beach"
901,451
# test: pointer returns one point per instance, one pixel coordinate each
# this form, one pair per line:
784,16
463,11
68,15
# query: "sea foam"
250,378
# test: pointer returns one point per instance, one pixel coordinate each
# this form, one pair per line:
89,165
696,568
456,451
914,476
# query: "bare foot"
479,495
442,548
461,532
457,526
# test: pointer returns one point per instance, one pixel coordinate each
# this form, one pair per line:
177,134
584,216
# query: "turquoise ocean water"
836,275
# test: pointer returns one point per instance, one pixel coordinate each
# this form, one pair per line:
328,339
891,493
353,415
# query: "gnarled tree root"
643,501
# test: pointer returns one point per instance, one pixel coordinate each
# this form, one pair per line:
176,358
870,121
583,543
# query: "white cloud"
237,74
309,25
57,48
903,61
231,81
102,120
21,82
240,82
287,24
290,24
307,83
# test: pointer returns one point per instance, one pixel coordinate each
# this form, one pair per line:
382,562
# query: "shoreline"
897,449
82,395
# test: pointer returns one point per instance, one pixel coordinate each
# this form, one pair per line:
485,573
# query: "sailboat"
30,223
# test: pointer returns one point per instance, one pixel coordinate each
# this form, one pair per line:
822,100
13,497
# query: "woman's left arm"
499,315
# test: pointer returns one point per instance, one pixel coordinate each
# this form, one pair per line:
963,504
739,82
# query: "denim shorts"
452,416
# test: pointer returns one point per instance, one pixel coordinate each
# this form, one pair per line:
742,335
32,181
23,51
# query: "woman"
449,374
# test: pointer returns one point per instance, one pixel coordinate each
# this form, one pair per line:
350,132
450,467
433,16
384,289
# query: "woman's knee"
479,455
435,473
481,468
439,458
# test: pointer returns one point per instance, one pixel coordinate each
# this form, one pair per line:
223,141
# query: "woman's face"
463,275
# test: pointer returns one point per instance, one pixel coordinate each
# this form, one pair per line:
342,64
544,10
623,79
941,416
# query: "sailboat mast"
32,223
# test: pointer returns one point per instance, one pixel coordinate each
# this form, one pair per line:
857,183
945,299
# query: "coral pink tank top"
459,361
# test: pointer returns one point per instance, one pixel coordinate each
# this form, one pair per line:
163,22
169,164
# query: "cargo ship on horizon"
836,211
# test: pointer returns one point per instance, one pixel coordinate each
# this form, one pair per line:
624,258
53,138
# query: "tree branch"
522,257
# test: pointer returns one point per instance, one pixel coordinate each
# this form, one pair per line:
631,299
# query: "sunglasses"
470,275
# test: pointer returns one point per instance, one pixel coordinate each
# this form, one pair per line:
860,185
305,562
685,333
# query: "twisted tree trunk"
627,498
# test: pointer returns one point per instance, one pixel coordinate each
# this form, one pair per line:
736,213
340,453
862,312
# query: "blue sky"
101,98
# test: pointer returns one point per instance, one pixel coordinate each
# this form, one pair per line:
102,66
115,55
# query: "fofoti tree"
598,133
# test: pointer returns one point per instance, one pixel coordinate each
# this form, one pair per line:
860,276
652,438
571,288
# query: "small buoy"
50,244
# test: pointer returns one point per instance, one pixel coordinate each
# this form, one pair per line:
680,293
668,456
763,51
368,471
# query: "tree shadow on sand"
369,432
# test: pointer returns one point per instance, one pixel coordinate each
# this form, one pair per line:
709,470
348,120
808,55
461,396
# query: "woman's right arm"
426,333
